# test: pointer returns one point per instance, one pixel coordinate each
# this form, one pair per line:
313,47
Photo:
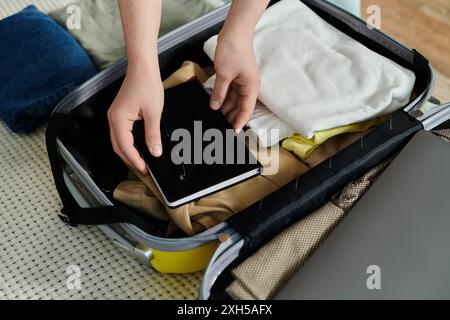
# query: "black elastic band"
72,213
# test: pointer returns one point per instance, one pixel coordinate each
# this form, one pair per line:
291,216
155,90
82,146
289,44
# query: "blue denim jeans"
40,63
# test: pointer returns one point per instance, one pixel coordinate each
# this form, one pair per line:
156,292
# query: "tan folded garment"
143,195
136,195
188,71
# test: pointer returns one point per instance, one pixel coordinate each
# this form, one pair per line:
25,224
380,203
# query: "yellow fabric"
304,147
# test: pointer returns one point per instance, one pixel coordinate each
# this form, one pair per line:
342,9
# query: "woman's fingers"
125,145
247,103
231,117
152,122
240,104
220,91
241,119
231,102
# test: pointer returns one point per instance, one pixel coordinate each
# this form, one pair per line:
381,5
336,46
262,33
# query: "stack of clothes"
317,82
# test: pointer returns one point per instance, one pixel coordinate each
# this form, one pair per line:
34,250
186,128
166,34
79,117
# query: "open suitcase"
86,170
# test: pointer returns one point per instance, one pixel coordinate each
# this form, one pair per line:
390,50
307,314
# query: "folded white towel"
315,77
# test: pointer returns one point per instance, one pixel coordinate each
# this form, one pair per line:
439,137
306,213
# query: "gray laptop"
395,244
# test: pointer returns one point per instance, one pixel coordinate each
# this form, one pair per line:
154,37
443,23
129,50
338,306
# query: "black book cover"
196,160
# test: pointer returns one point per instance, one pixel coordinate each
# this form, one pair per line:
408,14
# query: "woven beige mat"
37,249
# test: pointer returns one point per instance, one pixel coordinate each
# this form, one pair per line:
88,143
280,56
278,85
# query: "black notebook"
201,153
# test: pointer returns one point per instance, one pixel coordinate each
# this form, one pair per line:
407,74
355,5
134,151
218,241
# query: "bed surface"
36,248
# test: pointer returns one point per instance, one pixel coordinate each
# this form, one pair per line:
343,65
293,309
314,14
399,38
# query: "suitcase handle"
438,117
262,221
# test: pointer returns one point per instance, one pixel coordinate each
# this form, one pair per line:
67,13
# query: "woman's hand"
142,95
238,82
140,98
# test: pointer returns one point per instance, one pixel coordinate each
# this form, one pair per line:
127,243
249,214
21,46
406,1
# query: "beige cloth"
270,268
188,71
266,272
143,195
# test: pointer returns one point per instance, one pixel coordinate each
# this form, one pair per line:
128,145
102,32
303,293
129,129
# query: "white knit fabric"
37,249
315,77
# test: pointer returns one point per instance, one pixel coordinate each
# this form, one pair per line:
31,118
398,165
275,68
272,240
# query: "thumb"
220,91
153,134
